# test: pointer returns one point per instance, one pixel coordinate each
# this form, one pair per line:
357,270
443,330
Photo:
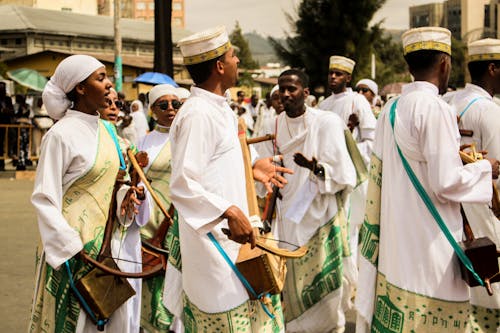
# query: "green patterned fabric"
85,207
370,230
319,272
401,311
484,320
248,317
155,318
357,159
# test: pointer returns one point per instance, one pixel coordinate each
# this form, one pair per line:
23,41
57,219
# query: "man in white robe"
311,211
208,190
478,113
409,279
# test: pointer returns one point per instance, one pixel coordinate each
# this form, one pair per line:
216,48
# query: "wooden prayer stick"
467,133
260,139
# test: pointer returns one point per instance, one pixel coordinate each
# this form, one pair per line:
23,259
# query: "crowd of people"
377,194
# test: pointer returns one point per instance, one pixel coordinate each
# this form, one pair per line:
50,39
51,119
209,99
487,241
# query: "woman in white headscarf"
369,89
78,165
139,119
164,104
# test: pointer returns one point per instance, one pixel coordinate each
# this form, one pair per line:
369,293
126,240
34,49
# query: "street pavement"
19,238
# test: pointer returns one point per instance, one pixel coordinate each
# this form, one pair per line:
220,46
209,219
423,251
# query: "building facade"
468,20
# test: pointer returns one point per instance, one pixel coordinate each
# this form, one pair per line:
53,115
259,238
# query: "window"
66,9
18,41
151,6
140,6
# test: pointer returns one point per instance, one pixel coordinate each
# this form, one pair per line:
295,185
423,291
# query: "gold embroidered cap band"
427,38
343,63
484,50
205,45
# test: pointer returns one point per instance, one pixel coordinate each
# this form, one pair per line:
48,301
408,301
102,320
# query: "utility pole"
118,45
163,59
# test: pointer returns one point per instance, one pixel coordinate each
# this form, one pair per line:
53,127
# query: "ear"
80,89
306,92
219,67
348,78
491,69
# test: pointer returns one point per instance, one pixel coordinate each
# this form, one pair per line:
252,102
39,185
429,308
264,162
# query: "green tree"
458,51
244,54
327,27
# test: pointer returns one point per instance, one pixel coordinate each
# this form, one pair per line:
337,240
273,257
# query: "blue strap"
111,132
468,105
86,307
239,275
430,205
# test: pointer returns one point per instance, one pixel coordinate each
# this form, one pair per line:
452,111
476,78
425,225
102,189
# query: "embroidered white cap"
484,49
159,91
343,63
204,45
427,38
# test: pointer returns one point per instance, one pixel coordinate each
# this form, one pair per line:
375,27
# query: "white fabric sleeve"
367,124
145,208
192,149
449,179
60,240
334,158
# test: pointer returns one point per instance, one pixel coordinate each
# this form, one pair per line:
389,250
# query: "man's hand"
302,161
353,122
240,228
266,172
132,198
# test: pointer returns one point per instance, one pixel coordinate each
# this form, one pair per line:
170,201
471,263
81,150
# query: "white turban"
370,84
275,89
161,90
71,71
182,93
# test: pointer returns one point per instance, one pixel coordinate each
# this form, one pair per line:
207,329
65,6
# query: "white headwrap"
140,107
183,93
161,90
275,89
370,84
71,71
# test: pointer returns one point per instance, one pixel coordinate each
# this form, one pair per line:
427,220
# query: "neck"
213,86
428,78
78,106
296,113
486,85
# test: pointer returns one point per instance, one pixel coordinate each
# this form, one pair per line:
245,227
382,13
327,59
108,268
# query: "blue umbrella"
155,78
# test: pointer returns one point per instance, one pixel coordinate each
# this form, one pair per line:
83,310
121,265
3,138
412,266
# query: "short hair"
240,93
201,72
422,60
478,68
303,77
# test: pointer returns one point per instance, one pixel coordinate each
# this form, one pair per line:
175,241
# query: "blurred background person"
369,89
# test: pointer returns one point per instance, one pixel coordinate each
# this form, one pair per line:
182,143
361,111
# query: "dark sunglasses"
176,105
364,90
118,104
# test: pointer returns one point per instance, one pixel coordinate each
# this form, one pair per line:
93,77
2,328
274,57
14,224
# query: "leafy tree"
328,27
458,51
244,54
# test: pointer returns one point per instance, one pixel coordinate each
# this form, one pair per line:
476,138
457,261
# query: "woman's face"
165,108
110,113
96,89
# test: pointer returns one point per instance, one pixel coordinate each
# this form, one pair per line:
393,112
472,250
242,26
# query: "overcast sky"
267,17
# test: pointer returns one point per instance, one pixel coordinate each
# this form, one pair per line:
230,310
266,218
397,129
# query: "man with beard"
312,209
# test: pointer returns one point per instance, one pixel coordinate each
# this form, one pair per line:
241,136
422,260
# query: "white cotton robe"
69,150
483,118
321,135
414,254
208,177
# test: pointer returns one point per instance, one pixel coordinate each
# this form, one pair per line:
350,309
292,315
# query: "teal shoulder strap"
111,131
469,105
430,205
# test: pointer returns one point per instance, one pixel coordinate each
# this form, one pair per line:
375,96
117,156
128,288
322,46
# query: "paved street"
18,241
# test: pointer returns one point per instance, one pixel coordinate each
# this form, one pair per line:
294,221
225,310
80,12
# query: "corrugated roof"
19,18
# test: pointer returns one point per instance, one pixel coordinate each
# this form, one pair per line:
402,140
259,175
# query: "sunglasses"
118,104
176,105
364,90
